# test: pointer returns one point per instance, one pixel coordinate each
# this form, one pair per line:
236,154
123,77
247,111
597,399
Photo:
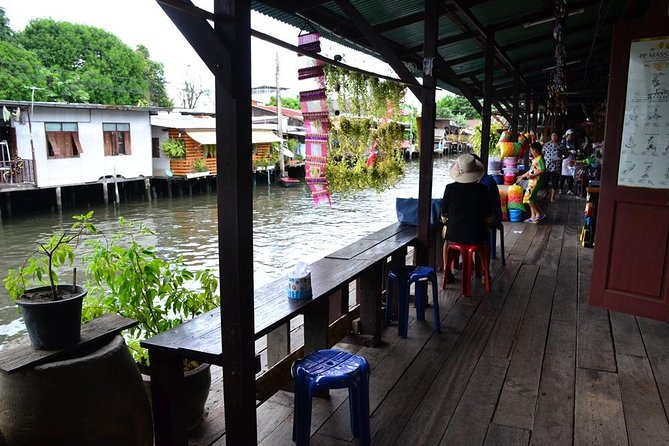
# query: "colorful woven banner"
316,123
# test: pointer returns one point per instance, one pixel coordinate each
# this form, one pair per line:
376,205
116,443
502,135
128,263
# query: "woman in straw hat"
466,208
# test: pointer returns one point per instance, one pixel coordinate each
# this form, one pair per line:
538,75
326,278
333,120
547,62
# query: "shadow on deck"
530,363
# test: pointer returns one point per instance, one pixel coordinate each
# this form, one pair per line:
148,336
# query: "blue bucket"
515,215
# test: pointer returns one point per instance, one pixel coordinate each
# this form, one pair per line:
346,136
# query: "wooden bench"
363,261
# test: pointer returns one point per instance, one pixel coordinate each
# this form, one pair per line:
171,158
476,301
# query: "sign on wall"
644,151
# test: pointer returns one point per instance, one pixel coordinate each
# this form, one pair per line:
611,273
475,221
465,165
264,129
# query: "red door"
630,271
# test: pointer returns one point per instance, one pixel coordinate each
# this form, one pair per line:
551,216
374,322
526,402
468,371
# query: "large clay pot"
53,325
197,383
95,399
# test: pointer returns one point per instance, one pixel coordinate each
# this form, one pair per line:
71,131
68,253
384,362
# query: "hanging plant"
365,145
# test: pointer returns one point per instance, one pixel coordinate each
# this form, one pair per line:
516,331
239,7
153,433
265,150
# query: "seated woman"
466,207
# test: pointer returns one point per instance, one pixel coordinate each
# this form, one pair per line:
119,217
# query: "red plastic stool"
453,250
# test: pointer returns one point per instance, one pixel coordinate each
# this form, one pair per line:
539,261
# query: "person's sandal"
540,217
529,220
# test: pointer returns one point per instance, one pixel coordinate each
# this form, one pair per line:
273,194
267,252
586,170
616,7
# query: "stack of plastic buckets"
510,169
495,169
515,204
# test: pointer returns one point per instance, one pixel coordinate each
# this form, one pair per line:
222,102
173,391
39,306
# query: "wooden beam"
429,113
235,221
487,96
464,35
515,103
380,45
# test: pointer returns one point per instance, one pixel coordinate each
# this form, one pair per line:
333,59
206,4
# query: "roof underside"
520,49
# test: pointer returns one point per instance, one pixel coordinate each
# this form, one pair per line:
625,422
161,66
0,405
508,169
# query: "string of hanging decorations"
557,86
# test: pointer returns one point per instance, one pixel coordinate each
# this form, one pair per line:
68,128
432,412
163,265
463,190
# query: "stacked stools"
405,276
454,250
331,369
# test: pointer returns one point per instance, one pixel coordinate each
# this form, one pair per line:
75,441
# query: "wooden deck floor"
530,363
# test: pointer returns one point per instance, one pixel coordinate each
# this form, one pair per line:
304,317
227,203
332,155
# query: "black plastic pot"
53,325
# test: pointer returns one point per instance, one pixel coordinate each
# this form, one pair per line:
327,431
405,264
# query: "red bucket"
509,179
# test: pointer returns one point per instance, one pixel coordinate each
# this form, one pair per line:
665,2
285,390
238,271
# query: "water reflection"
286,228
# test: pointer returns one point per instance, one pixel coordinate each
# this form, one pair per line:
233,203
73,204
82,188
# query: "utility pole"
279,118
30,129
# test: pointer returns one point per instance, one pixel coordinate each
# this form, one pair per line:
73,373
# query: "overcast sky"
144,22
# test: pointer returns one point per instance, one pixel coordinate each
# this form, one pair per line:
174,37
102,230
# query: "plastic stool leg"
466,272
302,417
403,308
435,302
420,296
501,243
364,431
493,243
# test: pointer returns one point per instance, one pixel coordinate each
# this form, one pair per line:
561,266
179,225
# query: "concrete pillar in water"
59,199
105,193
147,188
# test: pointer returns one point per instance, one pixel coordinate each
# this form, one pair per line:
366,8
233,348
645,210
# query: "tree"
191,93
6,32
291,103
451,106
19,68
154,74
87,58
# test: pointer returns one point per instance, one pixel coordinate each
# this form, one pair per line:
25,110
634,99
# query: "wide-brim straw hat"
466,169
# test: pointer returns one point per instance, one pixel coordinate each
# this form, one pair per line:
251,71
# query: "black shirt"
467,206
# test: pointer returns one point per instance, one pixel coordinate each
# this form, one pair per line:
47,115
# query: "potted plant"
127,277
51,311
175,148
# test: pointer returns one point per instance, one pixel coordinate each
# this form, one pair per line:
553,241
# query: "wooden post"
486,115
59,199
105,192
429,111
169,188
278,344
515,104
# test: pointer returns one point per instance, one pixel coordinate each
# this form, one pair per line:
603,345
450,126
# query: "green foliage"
174,148
20,68
347,167
291,103
452,106
495,132
154,73
129,279
199,165
41,266
6,32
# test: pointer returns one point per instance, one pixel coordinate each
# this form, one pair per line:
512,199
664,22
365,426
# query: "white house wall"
92,164
162,164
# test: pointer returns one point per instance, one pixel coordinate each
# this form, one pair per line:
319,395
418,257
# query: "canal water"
286,228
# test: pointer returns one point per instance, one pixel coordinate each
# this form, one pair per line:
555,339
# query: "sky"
144,22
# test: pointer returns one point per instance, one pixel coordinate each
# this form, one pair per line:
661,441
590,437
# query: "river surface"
286,228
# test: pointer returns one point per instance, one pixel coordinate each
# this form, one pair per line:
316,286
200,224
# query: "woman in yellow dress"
536,182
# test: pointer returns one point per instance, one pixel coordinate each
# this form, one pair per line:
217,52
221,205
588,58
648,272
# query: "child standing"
567,174
536,182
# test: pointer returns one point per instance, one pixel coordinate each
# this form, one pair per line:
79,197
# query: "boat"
288,182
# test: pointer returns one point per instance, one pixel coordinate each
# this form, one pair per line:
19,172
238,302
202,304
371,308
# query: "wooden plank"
554,416
506,436
598,410
471,419
645,418
626,334
535,252
595,342
21,355
517,401
424,422
506,329
655,336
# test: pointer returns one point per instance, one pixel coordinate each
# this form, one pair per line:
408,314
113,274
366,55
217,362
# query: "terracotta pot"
53,325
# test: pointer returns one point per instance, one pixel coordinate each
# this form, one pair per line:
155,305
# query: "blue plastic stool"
493,242
405,276
331,369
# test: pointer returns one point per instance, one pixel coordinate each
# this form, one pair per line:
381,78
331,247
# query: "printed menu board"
644,151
